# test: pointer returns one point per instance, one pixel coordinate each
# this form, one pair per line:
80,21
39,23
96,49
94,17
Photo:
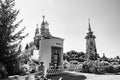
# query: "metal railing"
55,70
73,68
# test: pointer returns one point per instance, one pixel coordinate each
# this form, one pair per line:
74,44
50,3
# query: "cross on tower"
89,24
37,25
43,18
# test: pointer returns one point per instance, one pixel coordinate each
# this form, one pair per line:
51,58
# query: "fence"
54,70
74,68
57,70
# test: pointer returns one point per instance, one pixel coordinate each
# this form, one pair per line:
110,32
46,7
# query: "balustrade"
55,70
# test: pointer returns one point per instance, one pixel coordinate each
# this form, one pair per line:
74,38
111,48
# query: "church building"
50,48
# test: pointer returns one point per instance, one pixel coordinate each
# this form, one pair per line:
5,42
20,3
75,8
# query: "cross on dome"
43,17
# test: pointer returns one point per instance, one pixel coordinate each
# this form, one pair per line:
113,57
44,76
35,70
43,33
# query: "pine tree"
9,39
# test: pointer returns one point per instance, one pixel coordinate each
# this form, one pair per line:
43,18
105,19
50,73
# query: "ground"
98,77
84,76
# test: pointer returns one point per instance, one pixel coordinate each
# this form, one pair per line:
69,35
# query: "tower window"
90,49
91,43
91,36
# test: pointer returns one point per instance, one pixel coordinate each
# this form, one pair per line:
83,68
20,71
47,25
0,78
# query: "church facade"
50,48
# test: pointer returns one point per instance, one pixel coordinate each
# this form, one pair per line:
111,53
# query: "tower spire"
43,17
89,25
37,30
44,28
43,22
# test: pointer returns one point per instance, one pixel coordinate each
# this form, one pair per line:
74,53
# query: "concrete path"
67,76
97,77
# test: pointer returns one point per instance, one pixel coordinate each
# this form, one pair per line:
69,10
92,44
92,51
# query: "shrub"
110,69
92,70
93,67
100,70
3,71
85,68
117,67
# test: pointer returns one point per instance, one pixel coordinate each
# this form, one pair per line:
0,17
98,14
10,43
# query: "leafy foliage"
9,39
93,67
74,55
100,67
2,71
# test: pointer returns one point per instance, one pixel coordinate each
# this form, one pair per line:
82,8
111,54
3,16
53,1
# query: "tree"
72,54
9,39
80,54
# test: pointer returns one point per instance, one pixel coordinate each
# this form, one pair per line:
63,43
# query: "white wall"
45,50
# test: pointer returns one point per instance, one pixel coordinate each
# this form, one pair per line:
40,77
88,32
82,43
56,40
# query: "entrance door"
55,56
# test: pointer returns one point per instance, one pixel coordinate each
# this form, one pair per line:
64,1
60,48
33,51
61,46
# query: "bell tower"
91,50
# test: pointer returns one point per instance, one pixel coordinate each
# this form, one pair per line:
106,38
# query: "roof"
57,37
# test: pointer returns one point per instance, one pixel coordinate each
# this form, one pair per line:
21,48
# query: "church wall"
45,50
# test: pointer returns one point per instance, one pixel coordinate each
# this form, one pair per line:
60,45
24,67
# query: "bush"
97,70
85,68
98,67
93,67
92,70
110,69
117,67
100,70
3,71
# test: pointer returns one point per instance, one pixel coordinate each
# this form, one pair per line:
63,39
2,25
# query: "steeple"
89,29
45,29
43,22
37,36
37,30
47,23
90,43
104,55
43,18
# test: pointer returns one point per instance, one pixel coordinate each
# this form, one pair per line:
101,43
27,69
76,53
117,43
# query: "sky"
68,19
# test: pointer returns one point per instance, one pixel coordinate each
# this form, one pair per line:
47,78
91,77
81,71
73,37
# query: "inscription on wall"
59,44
